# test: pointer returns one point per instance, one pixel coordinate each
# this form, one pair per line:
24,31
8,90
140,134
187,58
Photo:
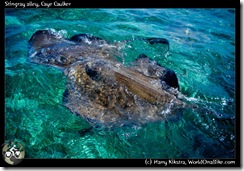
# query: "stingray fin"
88,39
158,40
80,105
70,100
170,79
153,41
144,63
43,38
152,68
49,48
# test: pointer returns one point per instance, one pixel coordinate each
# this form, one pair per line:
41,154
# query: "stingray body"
103,90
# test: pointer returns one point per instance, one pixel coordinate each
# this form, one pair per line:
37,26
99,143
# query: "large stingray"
103,90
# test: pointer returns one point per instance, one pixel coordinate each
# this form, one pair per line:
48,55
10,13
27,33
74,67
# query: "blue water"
202,53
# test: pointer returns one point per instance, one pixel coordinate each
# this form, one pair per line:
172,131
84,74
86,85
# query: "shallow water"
202,53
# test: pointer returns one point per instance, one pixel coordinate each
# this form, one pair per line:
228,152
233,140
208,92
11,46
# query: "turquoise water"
202,53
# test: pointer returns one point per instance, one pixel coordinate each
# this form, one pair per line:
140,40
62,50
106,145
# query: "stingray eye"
62,59
93,74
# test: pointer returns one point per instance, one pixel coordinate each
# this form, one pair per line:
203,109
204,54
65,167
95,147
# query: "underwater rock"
103,90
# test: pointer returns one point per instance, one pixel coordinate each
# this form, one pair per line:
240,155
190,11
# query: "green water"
202,53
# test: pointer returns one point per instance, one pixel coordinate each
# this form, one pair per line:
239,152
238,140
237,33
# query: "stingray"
101,89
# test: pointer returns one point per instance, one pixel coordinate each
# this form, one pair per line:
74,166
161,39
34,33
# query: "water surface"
202,53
